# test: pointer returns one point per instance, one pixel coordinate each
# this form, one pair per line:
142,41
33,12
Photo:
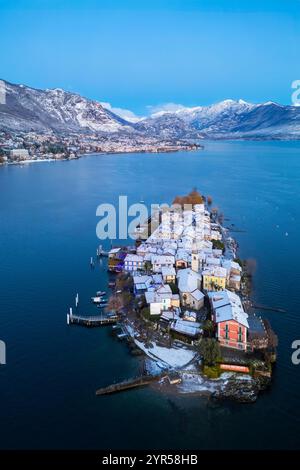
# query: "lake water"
47,236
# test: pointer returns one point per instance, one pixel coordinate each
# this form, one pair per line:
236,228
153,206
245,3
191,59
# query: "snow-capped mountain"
56,110
27,109
229,119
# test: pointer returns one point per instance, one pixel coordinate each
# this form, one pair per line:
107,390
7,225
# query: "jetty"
91,321
266,307
141,381
100,252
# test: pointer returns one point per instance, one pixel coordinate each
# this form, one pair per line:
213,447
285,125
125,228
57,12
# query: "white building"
159,300
189,283
133,262
158,261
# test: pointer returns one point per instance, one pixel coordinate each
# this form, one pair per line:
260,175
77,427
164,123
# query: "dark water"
47,235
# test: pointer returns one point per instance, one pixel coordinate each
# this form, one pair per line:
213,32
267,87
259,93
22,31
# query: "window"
226,331
240,334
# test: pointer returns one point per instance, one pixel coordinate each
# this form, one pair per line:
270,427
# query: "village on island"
181,297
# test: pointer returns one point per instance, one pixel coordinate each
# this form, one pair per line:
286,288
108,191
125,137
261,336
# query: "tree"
209,349
148,266
218,244
174,288
208,327
238,261
194,197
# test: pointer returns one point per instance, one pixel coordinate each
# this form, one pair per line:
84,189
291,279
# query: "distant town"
25,147
181,296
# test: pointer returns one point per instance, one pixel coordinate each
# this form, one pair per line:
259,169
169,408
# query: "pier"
141,381
266,307
91,321
100,252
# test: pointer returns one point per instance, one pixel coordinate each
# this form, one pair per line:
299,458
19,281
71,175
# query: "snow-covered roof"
164,289
229,264
183,255
228,306
197,294
133,258
216,271
210,260
157,278
190,315
169,315
114,251
168,271
217,252
157,296
141,279
162,259
186,327
188,280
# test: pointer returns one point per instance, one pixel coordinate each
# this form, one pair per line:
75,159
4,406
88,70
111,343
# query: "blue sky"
135,54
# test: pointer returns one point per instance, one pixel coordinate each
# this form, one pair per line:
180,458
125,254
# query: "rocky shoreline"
242,391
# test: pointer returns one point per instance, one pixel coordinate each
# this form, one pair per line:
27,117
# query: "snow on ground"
154,367
197,383
172,357
160,358
166,357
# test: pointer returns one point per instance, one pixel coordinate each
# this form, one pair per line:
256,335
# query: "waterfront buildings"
230,318
179,266
214,278
133,263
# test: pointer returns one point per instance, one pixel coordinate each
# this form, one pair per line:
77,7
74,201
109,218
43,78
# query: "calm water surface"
47,236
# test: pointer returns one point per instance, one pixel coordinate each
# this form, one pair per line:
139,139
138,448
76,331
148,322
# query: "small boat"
100,293
96,300
122,336
102,305
103,301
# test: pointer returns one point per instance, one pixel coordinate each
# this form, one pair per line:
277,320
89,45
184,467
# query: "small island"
181,297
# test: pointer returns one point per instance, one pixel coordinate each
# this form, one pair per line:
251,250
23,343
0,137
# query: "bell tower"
195,258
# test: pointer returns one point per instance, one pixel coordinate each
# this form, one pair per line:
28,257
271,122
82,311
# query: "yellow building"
214,278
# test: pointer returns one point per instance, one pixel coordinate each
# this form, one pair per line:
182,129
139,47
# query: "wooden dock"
91,321
141,381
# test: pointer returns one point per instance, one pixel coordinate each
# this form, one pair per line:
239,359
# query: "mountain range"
28,109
